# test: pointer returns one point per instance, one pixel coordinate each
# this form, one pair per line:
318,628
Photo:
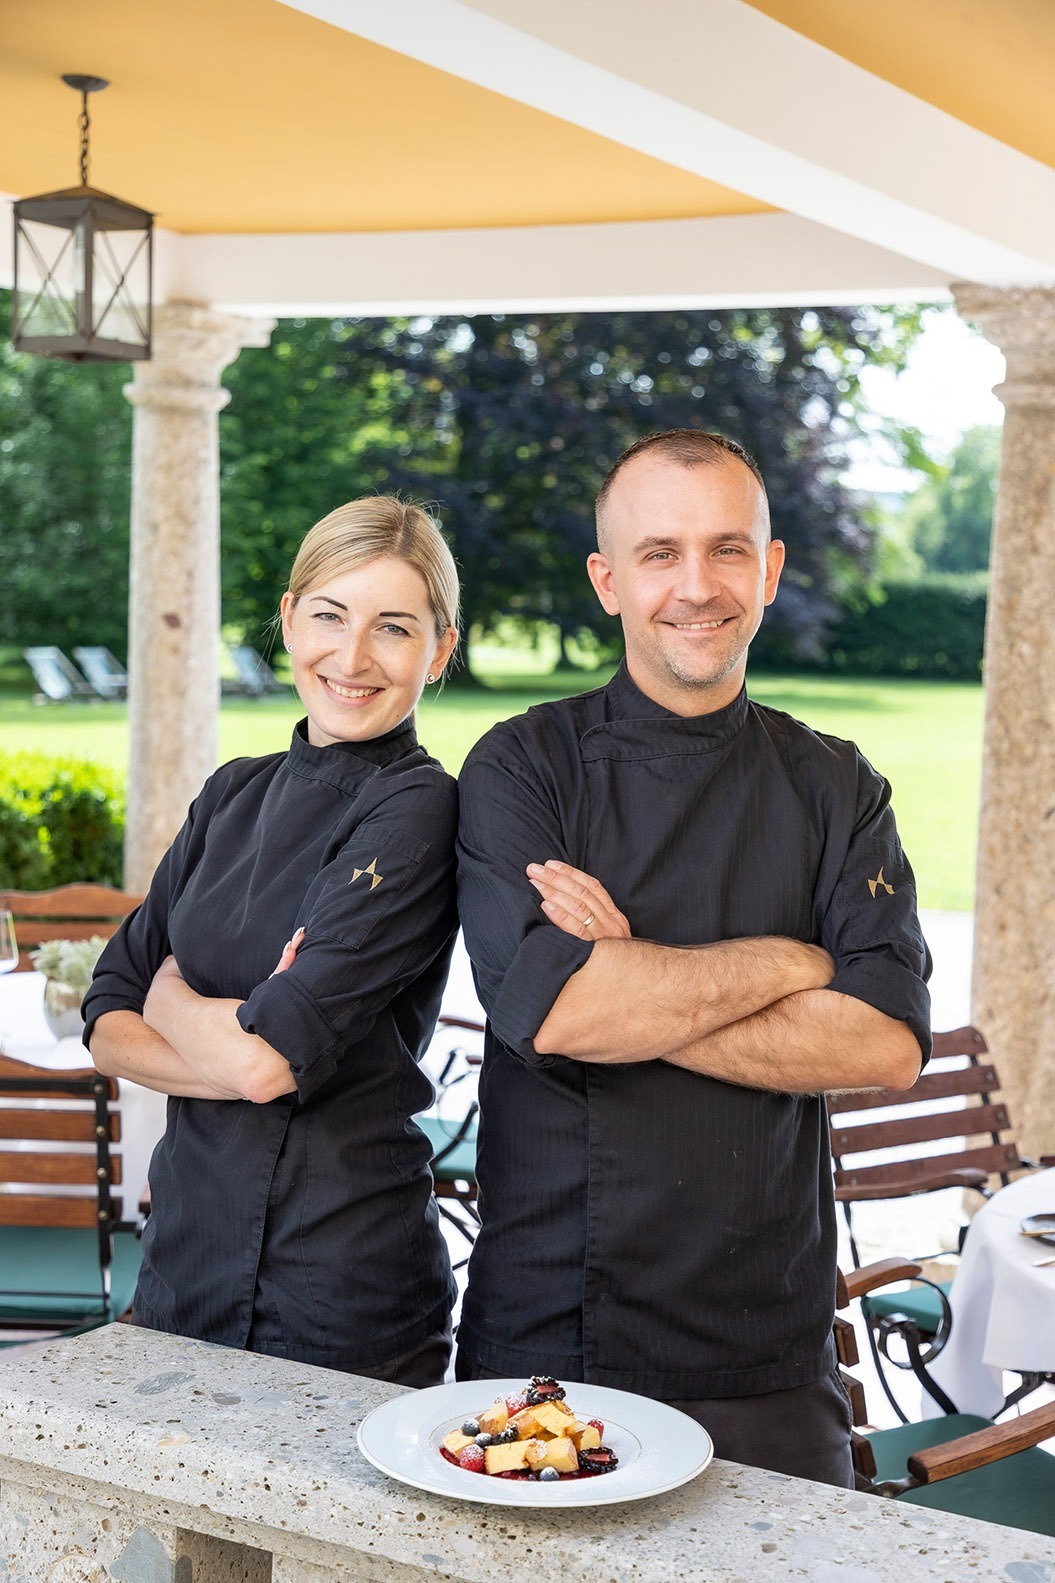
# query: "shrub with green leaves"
61,820
931,627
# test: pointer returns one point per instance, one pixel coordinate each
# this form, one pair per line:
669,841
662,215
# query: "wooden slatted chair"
68,1262
69,912
951,1129
962,1463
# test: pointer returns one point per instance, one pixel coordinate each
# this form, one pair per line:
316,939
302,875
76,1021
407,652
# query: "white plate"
658,1447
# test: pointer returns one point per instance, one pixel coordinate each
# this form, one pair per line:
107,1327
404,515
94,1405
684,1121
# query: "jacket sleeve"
126,968
870,925
375,917
521,962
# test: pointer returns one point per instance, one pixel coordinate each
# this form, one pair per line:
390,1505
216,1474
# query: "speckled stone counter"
142,1458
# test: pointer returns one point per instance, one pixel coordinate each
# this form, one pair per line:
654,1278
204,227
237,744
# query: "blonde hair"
365,530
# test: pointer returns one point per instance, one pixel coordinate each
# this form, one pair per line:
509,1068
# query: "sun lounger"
254,674
106,675
56,676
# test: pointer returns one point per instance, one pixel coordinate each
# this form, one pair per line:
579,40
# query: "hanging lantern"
83,267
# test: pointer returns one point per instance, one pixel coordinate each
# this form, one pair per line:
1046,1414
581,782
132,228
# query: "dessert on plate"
531,1434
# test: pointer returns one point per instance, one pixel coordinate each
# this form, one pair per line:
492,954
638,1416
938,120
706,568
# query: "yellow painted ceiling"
244,115
990,63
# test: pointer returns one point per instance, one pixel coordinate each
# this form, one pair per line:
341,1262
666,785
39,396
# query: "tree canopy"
506,422
65,449
950,517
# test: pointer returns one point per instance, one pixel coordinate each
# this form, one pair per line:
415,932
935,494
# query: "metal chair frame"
928,1464
958,1070
459,1190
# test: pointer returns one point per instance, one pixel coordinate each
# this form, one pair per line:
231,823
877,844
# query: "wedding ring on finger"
588,921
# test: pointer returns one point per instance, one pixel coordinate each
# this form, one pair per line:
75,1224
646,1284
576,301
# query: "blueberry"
485,1440
548,1474
470,1427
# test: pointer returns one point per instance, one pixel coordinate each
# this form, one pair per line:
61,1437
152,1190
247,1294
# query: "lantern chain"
84,122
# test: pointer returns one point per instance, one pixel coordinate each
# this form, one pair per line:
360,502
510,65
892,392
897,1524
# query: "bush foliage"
932,628
61,820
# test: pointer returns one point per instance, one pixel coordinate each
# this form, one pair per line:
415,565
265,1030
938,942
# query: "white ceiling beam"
765,260
743,261
719,89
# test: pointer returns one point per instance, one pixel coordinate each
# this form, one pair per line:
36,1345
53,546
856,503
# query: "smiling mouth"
354,694
700,626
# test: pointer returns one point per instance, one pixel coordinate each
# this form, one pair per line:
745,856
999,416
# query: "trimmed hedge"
61,820
932,628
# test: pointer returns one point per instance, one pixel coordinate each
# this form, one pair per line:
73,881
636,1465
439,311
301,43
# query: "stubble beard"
702,679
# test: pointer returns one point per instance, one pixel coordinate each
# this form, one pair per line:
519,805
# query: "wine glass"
8,953
8,943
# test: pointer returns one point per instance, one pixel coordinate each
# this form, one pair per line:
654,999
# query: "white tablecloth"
1003,1303
25,1036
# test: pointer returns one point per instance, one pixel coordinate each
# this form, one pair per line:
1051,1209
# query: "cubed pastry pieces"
507,1458
532,1434
557,1453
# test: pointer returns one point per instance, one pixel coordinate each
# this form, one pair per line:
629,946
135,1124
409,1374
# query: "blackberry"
599,1459
505,1436
544,1388
470,1427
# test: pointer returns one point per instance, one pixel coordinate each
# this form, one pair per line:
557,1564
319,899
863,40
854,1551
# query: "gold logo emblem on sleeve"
879,883
376,878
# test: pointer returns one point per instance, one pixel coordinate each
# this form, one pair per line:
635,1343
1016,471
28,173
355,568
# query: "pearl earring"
430,677
289,648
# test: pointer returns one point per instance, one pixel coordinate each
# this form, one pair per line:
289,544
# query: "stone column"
174,607
1013,983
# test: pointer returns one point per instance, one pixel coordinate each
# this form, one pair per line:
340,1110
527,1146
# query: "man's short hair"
687,447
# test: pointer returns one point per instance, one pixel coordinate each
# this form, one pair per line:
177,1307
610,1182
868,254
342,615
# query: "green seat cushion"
460,1164
54,1261
1018,1492
920,1303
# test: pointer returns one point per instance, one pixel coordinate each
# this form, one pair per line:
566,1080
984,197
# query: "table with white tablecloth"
25,1036
1003,1300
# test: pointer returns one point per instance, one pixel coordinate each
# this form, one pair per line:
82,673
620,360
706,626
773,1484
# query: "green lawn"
926,737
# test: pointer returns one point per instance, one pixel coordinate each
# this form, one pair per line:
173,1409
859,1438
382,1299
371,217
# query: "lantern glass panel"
50,268
121,286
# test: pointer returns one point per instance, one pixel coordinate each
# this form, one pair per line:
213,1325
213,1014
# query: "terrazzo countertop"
263,1452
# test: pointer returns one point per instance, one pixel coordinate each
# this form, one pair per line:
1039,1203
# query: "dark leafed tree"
507,422
518,418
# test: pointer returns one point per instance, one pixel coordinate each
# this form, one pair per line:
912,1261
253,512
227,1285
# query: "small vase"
62,1009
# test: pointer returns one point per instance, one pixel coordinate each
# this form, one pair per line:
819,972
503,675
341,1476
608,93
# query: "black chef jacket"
325,1194
666,1232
